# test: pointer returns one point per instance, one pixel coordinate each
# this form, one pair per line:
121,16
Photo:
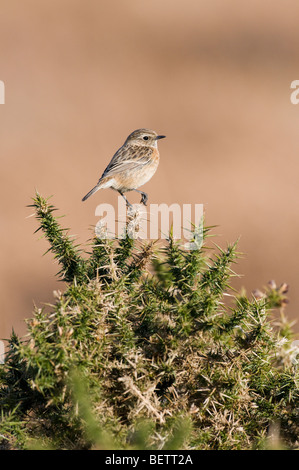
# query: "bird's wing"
128,158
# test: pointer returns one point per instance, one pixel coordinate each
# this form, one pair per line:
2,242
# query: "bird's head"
144,137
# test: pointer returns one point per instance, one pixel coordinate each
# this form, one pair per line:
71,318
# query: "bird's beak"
160,137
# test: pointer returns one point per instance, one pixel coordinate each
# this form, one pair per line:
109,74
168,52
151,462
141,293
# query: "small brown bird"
132,165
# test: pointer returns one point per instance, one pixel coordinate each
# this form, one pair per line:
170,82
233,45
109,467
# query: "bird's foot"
144,199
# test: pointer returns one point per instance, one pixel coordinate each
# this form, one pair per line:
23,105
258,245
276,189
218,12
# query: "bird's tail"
104,182
92,191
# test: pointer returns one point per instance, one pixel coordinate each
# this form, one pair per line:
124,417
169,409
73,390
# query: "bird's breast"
138,176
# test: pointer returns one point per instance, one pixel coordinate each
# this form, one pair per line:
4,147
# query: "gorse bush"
142,351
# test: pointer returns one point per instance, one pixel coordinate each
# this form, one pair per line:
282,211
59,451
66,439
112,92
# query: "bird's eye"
145,137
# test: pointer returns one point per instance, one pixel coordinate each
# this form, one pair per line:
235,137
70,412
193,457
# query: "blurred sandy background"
214,76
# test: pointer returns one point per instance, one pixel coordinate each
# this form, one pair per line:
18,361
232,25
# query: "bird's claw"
144,199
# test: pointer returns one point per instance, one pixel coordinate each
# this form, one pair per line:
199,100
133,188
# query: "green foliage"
143,351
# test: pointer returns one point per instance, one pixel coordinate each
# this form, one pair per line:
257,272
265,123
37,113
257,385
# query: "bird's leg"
127,202
144,197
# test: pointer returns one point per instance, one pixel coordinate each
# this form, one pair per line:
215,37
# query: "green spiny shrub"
142,351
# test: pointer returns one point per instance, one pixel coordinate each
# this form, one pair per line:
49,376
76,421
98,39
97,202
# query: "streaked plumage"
132,165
